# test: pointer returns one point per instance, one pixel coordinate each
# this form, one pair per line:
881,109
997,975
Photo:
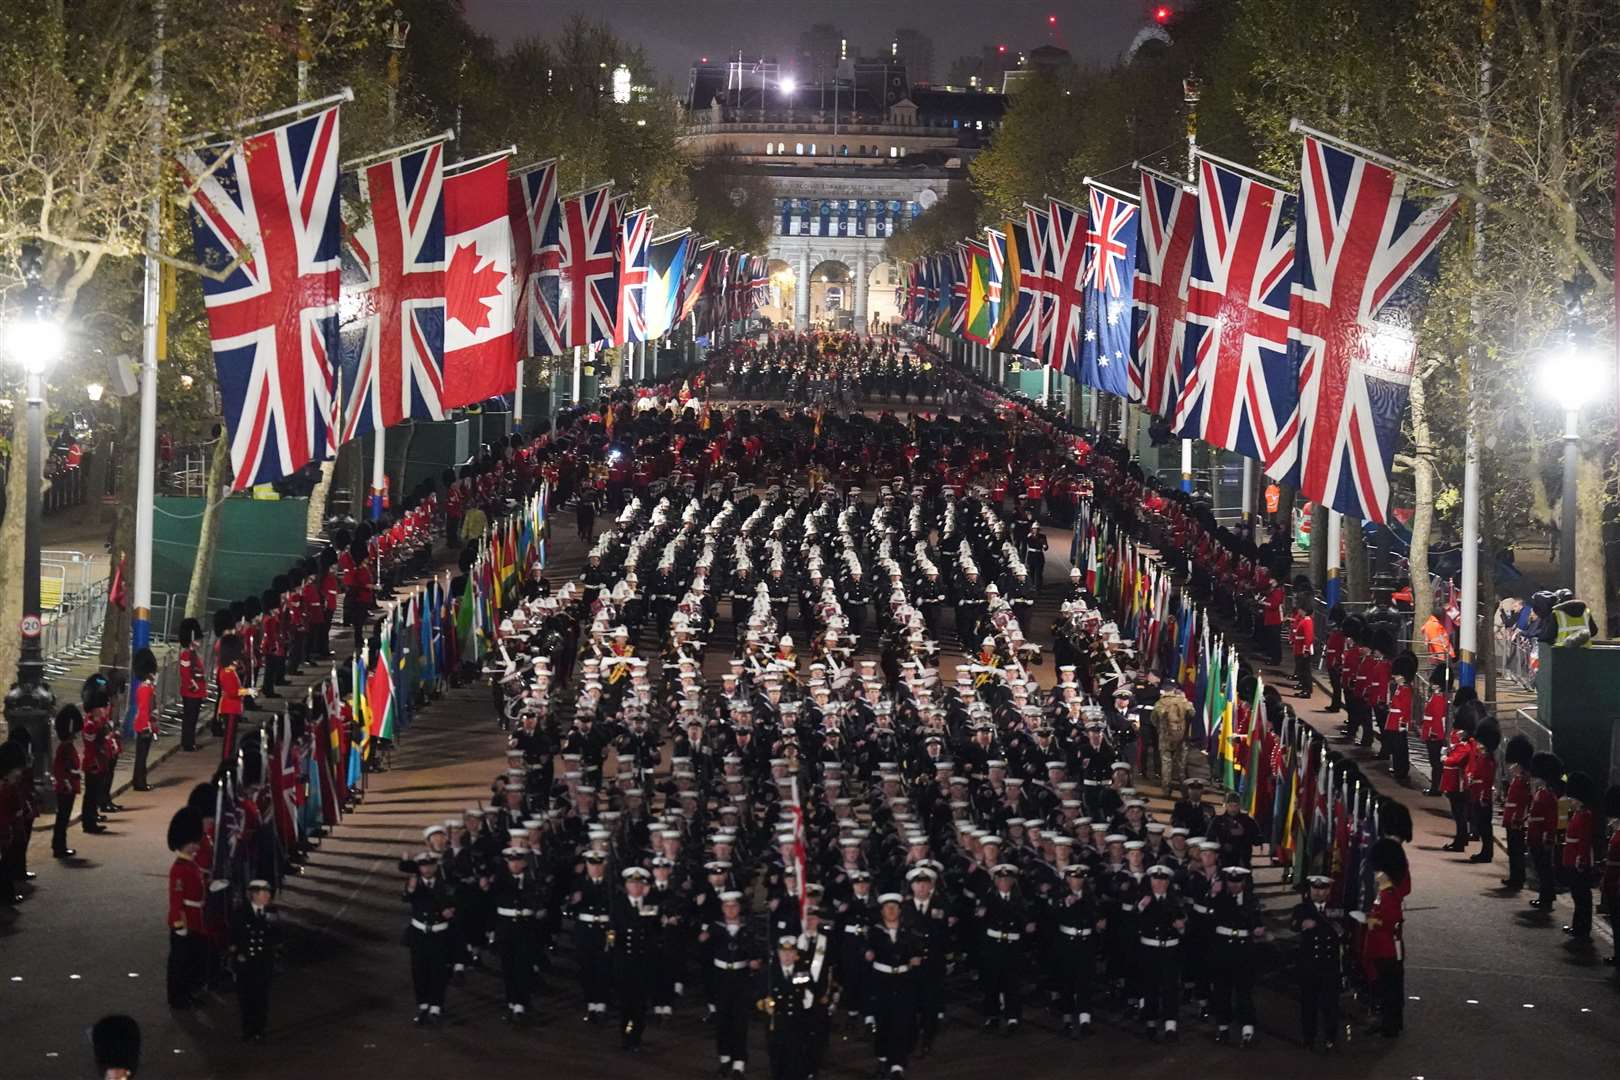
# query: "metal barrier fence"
73,634
1518,656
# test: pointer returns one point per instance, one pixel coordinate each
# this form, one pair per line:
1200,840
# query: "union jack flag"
1043,277
959,288
1238,388
1064,303
633,237
1365,248
588,298
393,294
1163,261
1107,285
760,283
273,320
538,255
1019,331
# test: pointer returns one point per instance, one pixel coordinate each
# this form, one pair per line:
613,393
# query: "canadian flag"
480,298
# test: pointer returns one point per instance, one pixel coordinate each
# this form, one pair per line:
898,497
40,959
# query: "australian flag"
1109,287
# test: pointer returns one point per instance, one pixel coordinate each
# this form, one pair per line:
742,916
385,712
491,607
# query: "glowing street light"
788,85
1571,376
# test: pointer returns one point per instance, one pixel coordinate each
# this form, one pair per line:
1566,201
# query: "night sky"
677,32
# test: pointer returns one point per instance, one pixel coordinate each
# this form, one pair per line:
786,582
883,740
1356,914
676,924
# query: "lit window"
799,148
894,151
978,125
770,148
812,149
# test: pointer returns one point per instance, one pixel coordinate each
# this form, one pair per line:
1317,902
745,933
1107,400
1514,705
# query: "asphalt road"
1492,993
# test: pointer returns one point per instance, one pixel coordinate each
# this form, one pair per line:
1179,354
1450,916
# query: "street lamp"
1571,376
34,340
787,86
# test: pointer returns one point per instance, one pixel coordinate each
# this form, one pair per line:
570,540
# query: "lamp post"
788,85
1570,376
34,340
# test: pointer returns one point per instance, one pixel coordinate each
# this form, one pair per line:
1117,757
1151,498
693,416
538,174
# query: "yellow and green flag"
984,296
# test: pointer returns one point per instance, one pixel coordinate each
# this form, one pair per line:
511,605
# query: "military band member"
1319,963
926,916
815,955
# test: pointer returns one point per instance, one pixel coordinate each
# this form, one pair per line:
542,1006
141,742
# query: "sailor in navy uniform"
734,954
590,903
1319,963
815,956
789,1000
254,935
636,937
1238,926
1160,922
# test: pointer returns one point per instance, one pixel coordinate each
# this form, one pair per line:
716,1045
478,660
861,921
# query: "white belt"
192,903
733,965
586,917
1004,935
436,928
1202,909
512,912
1095,783
1157,943
1227,931
1127,905
1075,931
890,969
854,929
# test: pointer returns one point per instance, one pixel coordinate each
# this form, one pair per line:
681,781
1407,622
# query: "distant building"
916,50
850,160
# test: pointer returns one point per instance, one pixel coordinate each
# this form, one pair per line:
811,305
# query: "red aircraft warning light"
1161,14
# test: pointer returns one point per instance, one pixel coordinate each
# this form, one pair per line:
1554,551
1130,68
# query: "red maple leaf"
470,284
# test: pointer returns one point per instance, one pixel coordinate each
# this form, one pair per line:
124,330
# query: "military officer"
432,905
637,933
1238,927
519,909
254,936
1319,963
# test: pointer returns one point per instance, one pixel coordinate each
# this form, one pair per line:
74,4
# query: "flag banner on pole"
634,234
959,289
588,296
1366,252
480,295
995,241
273,320
1043,275
1022,284
1164,242
393,293
696,280
1238,386
1110,255
537,253
984,295
1063,319
666,268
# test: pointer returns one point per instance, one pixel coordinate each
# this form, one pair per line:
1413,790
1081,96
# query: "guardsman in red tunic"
188,890
1516,807
1398,715
1435,714
193,683
1302,636
1481,778
275,656
1332,655
1580,842
1383,950
1541,831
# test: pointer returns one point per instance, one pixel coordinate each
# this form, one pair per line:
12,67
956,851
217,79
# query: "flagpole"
1297,128
446,135
1249,170
140,623
198,142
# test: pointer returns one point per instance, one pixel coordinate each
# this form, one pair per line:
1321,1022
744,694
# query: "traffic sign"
31,626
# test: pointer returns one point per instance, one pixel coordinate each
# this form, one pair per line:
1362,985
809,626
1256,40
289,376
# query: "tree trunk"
115,624
1319,548
1591,583
396,480
202,567
11,538
317,500
1423,506
1287,498
1357,587
358,471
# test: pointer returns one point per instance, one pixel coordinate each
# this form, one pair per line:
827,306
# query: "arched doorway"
778,306
881,305
832,295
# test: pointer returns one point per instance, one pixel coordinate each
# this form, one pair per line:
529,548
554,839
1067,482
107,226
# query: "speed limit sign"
31,626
